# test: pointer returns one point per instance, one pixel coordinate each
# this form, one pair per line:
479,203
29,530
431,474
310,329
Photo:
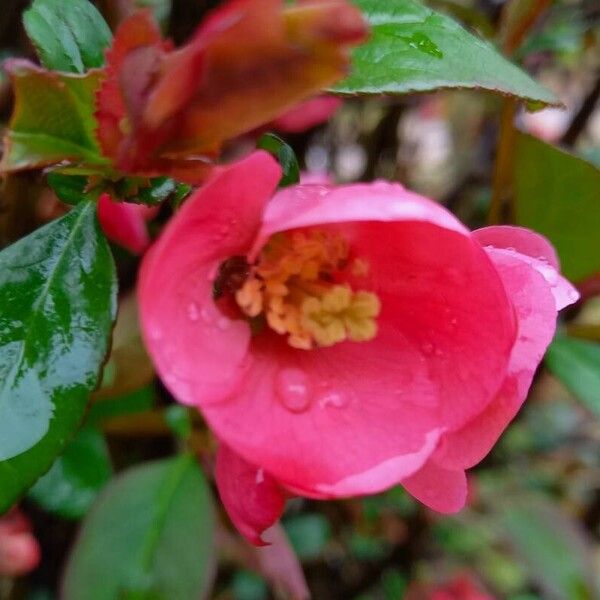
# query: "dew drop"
453,321
223,323
206,316
333,400
156,334
294,389
439,352
192,311
260,476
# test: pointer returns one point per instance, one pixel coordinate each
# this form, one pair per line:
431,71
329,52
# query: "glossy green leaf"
68,188
284,154
553,548
69,35
58,298
53,119
558,195
577,364
415,49
76,477
159,190
149,535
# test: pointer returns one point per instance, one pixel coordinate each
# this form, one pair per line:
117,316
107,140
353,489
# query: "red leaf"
169,111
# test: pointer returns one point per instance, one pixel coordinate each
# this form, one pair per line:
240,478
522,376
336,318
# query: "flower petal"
536,316
307,114
252,498
359,417
279,564
19,550
443,490
124,223
535,250
196,349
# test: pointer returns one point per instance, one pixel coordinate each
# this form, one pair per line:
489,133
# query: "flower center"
297,285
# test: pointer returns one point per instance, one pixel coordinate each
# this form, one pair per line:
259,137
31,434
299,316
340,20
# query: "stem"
502,183
501,208
579,122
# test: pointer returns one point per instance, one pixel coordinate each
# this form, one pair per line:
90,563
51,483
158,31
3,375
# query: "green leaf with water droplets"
58,298
415,49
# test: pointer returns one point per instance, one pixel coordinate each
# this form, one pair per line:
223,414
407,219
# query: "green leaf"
53,119
149,535
552,547
160,189
138,401
577,364
558,195
68,188
308,534
284,154
69,35
76,477
249,586
58,297
415,49
179,420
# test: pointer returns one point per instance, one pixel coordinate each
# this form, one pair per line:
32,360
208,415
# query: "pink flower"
341,340
307,114
19,550
125,223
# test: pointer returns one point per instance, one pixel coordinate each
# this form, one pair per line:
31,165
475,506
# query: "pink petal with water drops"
443,490
124,223
197,350
536,315
252,498
536,251
358,417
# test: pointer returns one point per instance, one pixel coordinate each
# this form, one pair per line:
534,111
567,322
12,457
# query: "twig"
579,122
502,191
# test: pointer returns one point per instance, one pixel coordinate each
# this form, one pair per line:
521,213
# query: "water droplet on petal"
294,389
439,352
333,399
453,321
192,311
206,316
223,323
260,476
156,334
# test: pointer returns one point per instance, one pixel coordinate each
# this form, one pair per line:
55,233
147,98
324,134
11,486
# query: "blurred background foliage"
532,529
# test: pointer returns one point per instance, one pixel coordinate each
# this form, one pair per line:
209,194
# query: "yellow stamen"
294,284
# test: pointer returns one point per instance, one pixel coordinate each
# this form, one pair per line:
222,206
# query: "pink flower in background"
341,340
124,223
307,114
19,550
